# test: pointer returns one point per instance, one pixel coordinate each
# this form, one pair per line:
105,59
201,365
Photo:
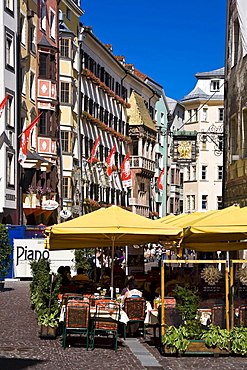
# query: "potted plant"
238,340
44,296
5,255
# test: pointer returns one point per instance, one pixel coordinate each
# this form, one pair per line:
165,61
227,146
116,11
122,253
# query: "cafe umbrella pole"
162,297
112,265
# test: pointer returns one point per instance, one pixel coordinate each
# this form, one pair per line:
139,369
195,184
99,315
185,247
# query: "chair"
76,320
135,309
94,298
243,315
219,316
67,296
105,321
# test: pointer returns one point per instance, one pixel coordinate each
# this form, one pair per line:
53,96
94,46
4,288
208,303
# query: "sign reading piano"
27,250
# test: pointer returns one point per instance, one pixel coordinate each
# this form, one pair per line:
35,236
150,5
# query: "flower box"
198,347
48,331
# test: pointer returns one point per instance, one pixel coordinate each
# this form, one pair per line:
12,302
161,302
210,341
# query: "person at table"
132,292
81,276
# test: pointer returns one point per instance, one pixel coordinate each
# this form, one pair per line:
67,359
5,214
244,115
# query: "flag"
109,160
126,173
161,179
3,104
25,139
94,150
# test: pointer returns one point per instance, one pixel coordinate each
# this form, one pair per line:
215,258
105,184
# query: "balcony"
137,162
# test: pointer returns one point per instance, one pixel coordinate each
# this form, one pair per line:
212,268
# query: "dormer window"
215,85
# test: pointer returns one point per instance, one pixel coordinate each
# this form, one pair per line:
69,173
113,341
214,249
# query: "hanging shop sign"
184,147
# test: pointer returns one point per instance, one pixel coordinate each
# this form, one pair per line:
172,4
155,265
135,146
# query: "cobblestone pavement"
21,347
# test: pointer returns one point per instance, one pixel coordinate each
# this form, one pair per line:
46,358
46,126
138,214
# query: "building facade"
9,190
235,169
204,119
175,170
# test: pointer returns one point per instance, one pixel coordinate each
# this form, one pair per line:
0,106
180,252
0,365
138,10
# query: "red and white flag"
2,105
94,150
25,139
110,160
161,180
126,173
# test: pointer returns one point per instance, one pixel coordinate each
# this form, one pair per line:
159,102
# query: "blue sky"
170,41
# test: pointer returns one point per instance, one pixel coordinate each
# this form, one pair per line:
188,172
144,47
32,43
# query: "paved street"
21,347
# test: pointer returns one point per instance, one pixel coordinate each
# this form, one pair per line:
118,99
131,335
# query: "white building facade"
204,113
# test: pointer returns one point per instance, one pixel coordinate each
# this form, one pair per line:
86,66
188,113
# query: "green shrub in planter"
217,337
5,252
238,338
44,293
176,339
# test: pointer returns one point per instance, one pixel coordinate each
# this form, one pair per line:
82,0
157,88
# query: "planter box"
48,331
198,347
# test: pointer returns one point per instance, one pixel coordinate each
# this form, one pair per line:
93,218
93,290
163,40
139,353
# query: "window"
195,115
32,86
32,38
215,85
190,202
43,15
219,202
43,64
42,123
68,14
221,114
219,172
190,115
142,186
52,25
67,187
204,202
233,135
9,50
171,205
66,141
9,4
193,173
23,30
10,176
188,173
205,114
65,93
23,80
172,176
204,172
10,111
64,48
235,42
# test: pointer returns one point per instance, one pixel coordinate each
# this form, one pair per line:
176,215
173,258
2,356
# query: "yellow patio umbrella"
227,225
108,227
185,220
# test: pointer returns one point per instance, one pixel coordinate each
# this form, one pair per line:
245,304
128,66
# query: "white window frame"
52,24
9,48
204,173
23,29
10,111
220,173
10,169
43,15
205,114
205,201
32,33
9,4
32,85
215,85
221,114
23,80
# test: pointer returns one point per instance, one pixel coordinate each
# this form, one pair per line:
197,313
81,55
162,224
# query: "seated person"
81,277
132,292
66,277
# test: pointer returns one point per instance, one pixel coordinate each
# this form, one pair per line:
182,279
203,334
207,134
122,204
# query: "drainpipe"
80,40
